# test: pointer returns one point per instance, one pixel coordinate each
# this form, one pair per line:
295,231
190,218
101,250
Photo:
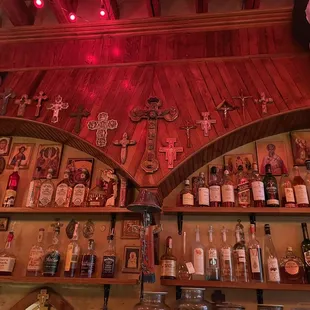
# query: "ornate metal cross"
57,106
264,101
152,114
205,123
79,114
43,297
188,126
6,96
226,107
243,101
124,143
171,151
22,104
102,126
40,98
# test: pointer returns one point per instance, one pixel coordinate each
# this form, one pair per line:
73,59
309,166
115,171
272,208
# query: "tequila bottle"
226,259
287,192
109,259
7,258
47,191
80,191
88,261
198,258
240,261
300,189
168,262
212,268
203,192
243,189
97,196
228,193
257,186
186,196
271,188
183,271
11,188
215,188
63,192
34,189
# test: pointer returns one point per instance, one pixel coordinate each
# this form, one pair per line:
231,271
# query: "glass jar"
192,299
152,301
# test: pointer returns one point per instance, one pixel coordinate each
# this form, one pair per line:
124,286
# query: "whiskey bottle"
287,192
212,268
36,256
73,254
47,191
198,258
11,188
7,258
271,188
88,261
63,192
168,262
34,189
226,259
109,259
214,188
300,189
97,196
240,261
243,189
80,191
186,196
228,193
203,192
183,270
257,188
305,249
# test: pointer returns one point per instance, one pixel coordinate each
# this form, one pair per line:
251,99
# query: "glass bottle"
168,262
257,186
228,193
192,298
88,261
73,254
97,196
287,192
271,188
212,259
34,189
80,191
195,186
109,259
226,259
307,178
198,258
186,196
240,227
305,249
36,256
292,268
63,191
243,188
183,271
215,188
240,261
7,258
47,191
271,258
11,188
203,192
300,189
255,255
152,301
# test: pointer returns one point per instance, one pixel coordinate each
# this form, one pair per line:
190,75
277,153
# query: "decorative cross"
171,151
124,143
243,101
6,96
57,106
152,114
225,107
22,102
43,297
102,126
79,114
188,126
264,101
40,98
206,123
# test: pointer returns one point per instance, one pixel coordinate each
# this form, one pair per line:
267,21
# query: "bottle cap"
186,182
226,172
201,174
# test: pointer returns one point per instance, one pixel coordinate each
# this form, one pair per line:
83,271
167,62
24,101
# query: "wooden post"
18,12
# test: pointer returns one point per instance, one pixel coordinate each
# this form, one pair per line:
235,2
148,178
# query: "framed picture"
273,153
49,156
130,228
75,165
219,171
5,145
20,152
233,161
4,223
300,141
131,261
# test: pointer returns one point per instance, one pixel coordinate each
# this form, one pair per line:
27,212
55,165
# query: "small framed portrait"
130,228
300,141
131,261
273,153
233,161
5,145
4,223
219,171
20,152
76,165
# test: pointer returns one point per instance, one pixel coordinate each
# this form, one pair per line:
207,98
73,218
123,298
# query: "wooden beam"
202,6
153,7
18,12
250,4
62,8
111,8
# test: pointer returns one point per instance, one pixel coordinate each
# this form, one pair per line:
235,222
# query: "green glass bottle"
271,188
305,249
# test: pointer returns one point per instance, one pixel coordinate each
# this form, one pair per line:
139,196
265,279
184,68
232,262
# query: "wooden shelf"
234,285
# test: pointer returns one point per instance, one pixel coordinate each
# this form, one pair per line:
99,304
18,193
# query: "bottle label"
51,262
273,270
254,260
9,198
35,259
190,268
7,264
272,193
301,194
96,200
241,255
78,194
108,265
215,193
72,257
258,190
188,199
88,265
46,194
307,257
61,194
289,195
30,197
203,196
168,268
228,193
244,193
199,261
212,257
226,254
291,268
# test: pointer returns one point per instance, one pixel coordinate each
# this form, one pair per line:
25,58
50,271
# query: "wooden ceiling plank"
202,6
250,4
18,12
112,9
62,8
153,8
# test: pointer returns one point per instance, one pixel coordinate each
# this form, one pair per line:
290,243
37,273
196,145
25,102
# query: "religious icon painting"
130,228
77,165
5,145
20,152
273,153
49,157
219,171
131,260
300,141
4,223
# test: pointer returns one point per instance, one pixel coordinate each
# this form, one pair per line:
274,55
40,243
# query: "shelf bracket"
260,296
180,223
106,288
178,292
113,221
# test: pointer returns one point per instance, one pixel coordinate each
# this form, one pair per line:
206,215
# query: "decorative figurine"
6,96
22,104
124,143
264,101
40,98
79,114
57,106
152,114
43,297
225,107
188,126
243,102
171,151
206,123
102,126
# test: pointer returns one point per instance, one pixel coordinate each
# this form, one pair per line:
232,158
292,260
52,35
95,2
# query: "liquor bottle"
97,196
203,192
80,191
36,256
271,188
52,255
34,189
255,255
168,262
287,192
186,196
198,258
7,258
271,258
11,188
214,188
63,191
240,227
300,189
292,268
47,191
88,261
243,188
109,259
307,178
257,186
195,187
212,260
228,193
226,259
183,270
305,249
240,261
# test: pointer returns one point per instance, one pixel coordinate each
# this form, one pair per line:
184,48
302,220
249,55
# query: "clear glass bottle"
88,261
47,191
80,191
287,192
203,192
109,259
271,188
240,227
192,298
305,250
243,188
7,258
63,191
307,178
257,186
36,256
212,259
97,196
186,196
73,254
34,189
198,258
168,262
183,272
228,192
300,189
11,188
215,188
226,259
240,260
152,301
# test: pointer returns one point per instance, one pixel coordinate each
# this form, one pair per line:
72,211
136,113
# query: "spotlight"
102,11
72,17
38,4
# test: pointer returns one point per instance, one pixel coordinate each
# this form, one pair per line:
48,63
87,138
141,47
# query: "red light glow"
102,12
72,17
38,4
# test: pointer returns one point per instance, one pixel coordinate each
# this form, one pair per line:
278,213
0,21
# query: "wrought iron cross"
264,101
57,106
188,126
243,101
102,125
152,114
40,98
124,143
205,123
79,114
22,104
6,96
225,107
171,151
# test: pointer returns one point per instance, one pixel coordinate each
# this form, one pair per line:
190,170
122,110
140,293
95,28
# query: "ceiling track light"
102,11
39,4
72,17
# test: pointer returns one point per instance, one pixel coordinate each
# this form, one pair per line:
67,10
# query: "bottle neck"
238,239
75,234
305,232
210,236
9,240
197,236
224,237
169,246
55,237
40,236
